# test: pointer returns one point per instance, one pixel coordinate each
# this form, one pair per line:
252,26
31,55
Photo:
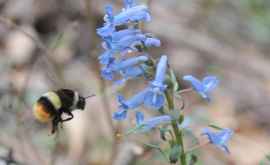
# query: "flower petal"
210,82
120,115
161,70
129,3
153,122
152,42
139,117
154,100
220,138
133,14
196,84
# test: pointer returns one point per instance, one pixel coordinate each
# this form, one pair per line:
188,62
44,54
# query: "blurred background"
46,45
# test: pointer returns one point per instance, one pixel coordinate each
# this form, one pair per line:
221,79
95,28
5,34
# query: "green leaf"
193,159
134,130
268,157
161,110
162,132
174,113
181,119
215,126
191,136
175,153
174,80
157,147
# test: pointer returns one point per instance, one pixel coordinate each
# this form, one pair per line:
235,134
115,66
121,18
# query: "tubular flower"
106,57
139,117
155,96
203,87
132,14
150,42
123,41
125,105
149,124
129,3
108,27
128,39
219,139
124,66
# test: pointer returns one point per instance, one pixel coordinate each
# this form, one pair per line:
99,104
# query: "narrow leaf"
175,154
215,126
174,80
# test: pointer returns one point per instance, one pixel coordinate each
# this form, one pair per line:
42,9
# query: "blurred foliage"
259,18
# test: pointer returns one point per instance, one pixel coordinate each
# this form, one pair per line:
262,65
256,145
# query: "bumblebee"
51,105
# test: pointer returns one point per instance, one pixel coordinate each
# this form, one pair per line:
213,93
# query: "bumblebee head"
40,113
81,103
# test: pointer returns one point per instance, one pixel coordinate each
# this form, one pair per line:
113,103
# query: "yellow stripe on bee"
54,99
40,113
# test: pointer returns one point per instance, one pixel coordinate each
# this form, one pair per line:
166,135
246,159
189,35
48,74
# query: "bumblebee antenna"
87,97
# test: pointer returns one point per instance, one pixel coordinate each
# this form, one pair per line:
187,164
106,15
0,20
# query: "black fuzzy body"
67,97
68,104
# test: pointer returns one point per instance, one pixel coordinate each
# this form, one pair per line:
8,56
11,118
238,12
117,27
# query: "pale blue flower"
121,114
139,117
126,67
129,73
119,42
118,35
127,39
155,96
150,42
219,139
125,105
203,87
107,57
108,27
132,14
128,42
149,124
129,3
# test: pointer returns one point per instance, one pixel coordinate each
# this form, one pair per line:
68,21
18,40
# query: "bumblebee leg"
55,122
53,125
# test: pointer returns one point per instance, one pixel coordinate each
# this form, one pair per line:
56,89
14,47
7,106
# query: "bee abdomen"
44,109
47,106
40,113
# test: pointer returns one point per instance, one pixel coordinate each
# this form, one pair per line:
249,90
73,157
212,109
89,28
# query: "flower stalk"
177,132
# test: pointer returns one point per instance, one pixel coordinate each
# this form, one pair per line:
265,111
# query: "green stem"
178,133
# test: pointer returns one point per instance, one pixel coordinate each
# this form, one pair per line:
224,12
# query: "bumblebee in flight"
51,105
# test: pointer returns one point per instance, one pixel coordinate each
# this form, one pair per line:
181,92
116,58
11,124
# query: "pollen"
40,113
118,136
